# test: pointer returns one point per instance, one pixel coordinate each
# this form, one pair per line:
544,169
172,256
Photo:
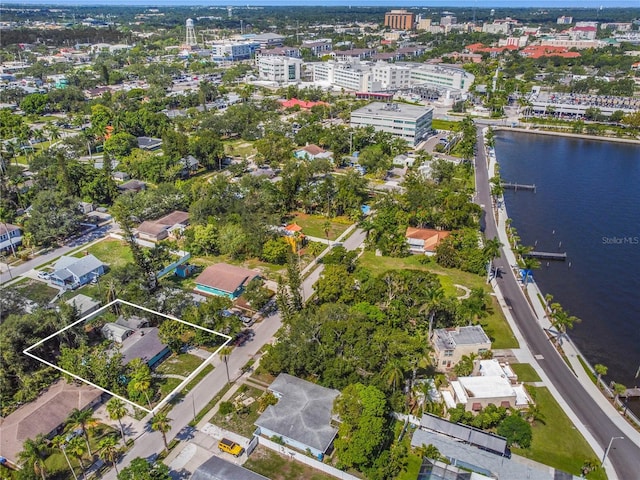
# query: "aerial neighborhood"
270,242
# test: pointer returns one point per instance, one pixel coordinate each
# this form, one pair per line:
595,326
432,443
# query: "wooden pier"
631,393
548,255
519,186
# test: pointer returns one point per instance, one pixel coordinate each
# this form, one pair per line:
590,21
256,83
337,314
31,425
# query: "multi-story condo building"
409,122
388,76
348,75
279,69
443,77
400,20
232,52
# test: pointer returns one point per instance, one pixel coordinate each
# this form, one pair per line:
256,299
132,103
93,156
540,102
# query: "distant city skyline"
551,4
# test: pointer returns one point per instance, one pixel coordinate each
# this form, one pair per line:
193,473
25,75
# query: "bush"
226,408
516,430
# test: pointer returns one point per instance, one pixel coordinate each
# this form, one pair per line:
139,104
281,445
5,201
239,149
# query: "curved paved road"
625,454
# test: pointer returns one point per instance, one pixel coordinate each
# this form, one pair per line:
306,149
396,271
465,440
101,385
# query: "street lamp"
606,452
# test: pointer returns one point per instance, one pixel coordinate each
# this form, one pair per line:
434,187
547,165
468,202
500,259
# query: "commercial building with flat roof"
400,19
279,69
409,122
443,77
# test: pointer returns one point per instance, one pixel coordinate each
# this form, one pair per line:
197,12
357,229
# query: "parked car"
44,275
229,446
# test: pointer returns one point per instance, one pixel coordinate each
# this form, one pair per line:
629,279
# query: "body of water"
587,203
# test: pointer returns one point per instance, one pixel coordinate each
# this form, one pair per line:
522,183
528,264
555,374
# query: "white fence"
301,457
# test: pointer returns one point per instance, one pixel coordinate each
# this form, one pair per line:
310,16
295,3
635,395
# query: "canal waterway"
586,203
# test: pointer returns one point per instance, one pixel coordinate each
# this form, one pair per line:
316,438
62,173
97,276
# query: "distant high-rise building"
400,19
191,34
564,20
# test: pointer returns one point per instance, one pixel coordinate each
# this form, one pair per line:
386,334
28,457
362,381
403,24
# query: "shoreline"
552,133
571,353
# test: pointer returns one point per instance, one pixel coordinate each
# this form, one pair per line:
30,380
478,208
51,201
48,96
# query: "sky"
595,4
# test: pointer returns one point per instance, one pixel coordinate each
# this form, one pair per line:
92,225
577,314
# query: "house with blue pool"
224,280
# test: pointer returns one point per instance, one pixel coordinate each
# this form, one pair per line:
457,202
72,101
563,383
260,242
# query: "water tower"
191,34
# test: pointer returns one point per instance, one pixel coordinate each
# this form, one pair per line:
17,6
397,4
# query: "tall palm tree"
224,355
77,448
60,443
533,414
109,451
528,264
434,297
393,373
117,410
34,453
491,250
82,419
162,423
140,378
600,370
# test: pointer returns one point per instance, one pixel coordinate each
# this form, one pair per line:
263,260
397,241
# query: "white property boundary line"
171,394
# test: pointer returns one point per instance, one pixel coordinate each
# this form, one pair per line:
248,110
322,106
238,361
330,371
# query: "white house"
73,272
10,237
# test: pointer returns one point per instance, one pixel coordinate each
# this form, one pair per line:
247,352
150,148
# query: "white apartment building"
409,122
440,76
496,28
348,75
388,76
233,51
279,69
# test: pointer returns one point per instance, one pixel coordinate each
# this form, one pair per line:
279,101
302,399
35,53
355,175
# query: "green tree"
208,149
175,145
117,411
34,104
33,454
600,370
363,430
108,451
54,217
60,443
77,447
274,148
120,145
618,389
516,430
141,469
162,423
276,251
140,380
394,373
82,419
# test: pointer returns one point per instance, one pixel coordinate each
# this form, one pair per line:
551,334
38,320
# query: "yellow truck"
226,445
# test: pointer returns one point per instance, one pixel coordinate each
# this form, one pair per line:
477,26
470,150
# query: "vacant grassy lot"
525,372
438,124
183,364
36,291
495,324
557,442
113,252
241,421
277,467
313,225
240,148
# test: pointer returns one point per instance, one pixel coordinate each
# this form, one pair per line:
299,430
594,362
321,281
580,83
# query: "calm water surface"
587,204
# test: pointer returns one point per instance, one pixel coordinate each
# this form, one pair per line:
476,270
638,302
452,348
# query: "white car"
44,275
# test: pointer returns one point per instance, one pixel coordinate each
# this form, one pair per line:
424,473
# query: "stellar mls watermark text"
628,240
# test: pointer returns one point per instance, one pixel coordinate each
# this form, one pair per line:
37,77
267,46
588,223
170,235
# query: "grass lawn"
113,252
277,467
240,148
557,442
438,124
313,225
525,372
242,423
166,386
495,324
183,364
36,290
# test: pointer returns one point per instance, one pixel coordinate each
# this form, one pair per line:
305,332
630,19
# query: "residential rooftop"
449,338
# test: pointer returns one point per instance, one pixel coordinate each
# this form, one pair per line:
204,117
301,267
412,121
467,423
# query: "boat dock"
519,186
632,393
548,255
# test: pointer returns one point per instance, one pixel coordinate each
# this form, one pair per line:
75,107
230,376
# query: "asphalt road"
625,454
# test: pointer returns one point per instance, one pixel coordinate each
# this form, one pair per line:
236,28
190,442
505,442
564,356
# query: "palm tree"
326,226
394,372
528,264
491,250
600,370
224,355
561,320
434,297
117,410
60,443
162,423
109,451
618,389
140,378
34,453
82,418
533,414
77,448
